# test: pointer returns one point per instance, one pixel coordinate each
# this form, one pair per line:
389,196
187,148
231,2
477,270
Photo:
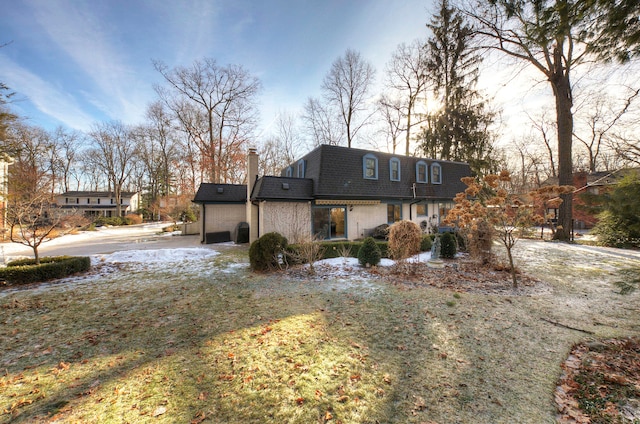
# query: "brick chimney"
252,210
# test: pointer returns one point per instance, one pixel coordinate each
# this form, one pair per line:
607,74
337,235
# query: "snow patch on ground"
156,256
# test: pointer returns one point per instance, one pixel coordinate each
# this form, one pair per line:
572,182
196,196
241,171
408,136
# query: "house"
94,204
587,186
5,162
333,193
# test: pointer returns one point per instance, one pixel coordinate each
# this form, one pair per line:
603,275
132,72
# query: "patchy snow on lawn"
157,256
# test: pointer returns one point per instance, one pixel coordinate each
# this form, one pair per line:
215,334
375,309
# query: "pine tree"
459,130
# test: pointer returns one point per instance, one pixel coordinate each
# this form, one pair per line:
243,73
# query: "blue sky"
77,62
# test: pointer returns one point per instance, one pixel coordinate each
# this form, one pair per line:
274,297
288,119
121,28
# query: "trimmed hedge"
25,271
334,249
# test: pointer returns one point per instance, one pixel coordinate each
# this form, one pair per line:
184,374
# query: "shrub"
307,251
480,241
113,220
266,252
133,219
405,238
611,231
426,243
369,253
448,247
25,271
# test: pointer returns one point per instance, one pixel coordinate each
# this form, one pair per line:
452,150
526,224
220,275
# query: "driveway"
105,240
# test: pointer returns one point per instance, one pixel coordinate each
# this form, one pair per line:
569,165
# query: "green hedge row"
25,271
336,249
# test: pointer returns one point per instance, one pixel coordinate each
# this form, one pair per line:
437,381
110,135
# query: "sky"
74,63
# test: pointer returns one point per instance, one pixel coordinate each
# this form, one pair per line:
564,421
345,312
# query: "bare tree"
31,170
226,96
321,123
32,220
546,129
406,78
113,152
393,114
69,143
553,36
283,147
599,116
346,87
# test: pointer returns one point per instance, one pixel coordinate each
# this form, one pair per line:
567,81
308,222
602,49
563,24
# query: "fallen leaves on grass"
601,383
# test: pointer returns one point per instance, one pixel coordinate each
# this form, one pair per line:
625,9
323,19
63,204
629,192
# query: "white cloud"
81,33
46,97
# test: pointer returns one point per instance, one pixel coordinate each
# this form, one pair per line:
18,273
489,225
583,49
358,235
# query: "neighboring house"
594,183
5,162
333,193
95,204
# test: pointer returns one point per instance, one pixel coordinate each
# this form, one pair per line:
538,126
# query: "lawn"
209,341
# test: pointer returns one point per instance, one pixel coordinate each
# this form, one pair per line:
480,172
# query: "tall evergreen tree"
459,130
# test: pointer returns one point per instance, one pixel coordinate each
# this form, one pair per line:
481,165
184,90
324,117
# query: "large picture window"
329,223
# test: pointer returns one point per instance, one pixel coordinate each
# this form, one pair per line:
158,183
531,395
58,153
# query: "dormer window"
301,169
436,173
394,169
370,167
421,172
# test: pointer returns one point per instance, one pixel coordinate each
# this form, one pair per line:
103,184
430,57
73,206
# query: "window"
98,201
421,209
289,172
443,210
329,223
394,212
66,200
77,200
370,167
301,168
394,169
421,172
436,174
88,201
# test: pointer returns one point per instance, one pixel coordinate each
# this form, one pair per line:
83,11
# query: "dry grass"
215,344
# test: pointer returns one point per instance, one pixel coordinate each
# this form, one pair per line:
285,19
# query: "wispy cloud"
88,40
47,98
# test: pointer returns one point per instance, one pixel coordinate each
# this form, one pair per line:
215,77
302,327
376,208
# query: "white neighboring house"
95,204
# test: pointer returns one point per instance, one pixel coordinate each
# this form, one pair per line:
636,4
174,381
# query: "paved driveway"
106,240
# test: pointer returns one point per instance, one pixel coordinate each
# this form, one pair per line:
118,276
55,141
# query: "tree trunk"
562,92
512,268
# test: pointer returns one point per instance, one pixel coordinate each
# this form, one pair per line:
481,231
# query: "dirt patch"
601,383
459,275
465,275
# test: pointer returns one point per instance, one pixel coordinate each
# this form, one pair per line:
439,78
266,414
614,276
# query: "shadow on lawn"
258,348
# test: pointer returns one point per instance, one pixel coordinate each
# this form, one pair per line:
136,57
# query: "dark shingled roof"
337,174
282,188
96,193
221,193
